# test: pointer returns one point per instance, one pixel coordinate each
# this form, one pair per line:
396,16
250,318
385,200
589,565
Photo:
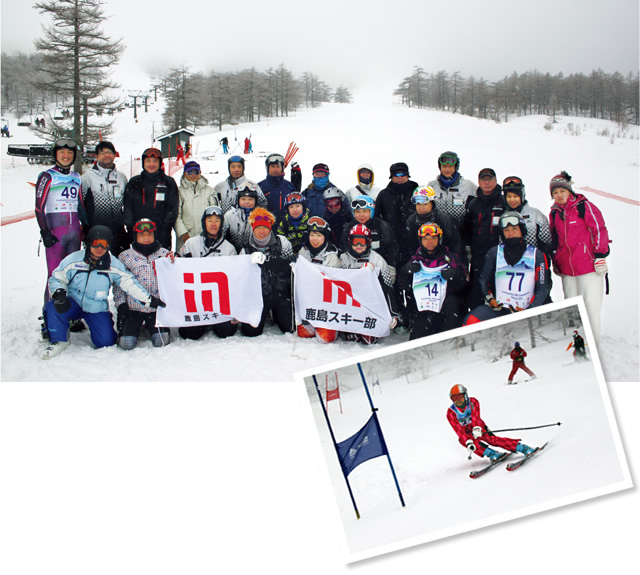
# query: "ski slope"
373,129
584,457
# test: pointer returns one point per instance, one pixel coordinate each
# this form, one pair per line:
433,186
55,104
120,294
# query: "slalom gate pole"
526,428
335,445
384,444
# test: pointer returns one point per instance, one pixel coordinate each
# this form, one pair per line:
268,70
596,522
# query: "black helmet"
62,143
211,211
99,233
449,158
512,219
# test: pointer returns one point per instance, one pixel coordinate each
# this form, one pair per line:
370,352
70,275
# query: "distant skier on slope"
517,355
464,416
579,349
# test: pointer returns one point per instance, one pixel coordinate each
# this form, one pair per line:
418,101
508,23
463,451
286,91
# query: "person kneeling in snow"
515,275
79,289
139,260
464,416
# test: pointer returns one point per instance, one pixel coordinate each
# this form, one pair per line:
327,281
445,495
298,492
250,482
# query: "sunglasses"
399,175
429,230
358,242
448,160
104,244
509,221
263,219
144,227
360,204
192,172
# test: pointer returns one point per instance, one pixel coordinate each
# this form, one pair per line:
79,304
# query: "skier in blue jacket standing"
79,289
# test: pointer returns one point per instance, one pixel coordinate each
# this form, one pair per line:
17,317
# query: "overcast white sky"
358,42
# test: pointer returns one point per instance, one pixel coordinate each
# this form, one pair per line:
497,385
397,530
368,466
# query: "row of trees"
596,95
197,99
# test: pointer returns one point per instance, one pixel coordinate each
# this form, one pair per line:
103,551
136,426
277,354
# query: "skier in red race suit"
180,156
517,355
464,416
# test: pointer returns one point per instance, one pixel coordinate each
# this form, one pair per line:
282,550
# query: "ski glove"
156,302
123,308
60,301
492,303
416,267
601,266
447,273
477,432
48,239
471,446
257,258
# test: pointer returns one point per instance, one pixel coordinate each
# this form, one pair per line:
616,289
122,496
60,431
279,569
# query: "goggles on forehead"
275,159
146,226
66,143
429,230
512,182
294,197
263,219
104,244
152,153
509,221
317,223
213,211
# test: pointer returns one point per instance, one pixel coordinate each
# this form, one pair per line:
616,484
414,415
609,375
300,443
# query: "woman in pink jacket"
581,244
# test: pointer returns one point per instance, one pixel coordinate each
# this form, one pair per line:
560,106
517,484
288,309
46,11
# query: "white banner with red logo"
341,299
204,291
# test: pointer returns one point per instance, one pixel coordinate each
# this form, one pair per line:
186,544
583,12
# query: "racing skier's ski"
480,472
516,464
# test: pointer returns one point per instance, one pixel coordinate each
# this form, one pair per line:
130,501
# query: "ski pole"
526,428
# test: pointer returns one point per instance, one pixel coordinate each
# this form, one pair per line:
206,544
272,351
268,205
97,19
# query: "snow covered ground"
373,130
432,468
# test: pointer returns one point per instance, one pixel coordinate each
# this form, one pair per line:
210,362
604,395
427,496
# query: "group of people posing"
447,254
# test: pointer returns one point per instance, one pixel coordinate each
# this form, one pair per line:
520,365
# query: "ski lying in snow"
480,472
516,464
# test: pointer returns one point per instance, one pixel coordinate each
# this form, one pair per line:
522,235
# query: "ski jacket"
227,191
454,198
238,227
463,421
201,247
338,222
450,232
89,286
276,189
538,230
103,197
387,276
295,235
383,240
314,199
58,198
144,270
276,270
579,236
195,197
518,354
480,230
327,256
542,276
153,196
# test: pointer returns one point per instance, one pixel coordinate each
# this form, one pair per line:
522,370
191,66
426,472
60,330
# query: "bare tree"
75,58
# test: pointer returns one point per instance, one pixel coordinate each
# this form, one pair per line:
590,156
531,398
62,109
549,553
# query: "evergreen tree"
76,57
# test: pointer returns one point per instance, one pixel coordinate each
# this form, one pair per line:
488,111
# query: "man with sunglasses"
79,289
434,282
132,314
275,187
454,190
393,205
515,275
102,193
195,195
152,195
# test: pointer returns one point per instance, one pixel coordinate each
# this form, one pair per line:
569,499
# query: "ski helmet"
331,194
363,203
424,195
295,198
64,143
359,231
457,390
515,185
212,211
274,159
517,344
450,158
430,230
248,189
318,224
235,160
512,219
151,153
99,233
144,225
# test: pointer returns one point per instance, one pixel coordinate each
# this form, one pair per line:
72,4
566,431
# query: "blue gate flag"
362,446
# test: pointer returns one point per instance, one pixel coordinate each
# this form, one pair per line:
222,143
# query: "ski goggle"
359,241
509,221
275,159
512,182
99,243
147,226
294,198
332,203
429,230
360,205
152,153
448,160
65,143
455,397
213,211
317,223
